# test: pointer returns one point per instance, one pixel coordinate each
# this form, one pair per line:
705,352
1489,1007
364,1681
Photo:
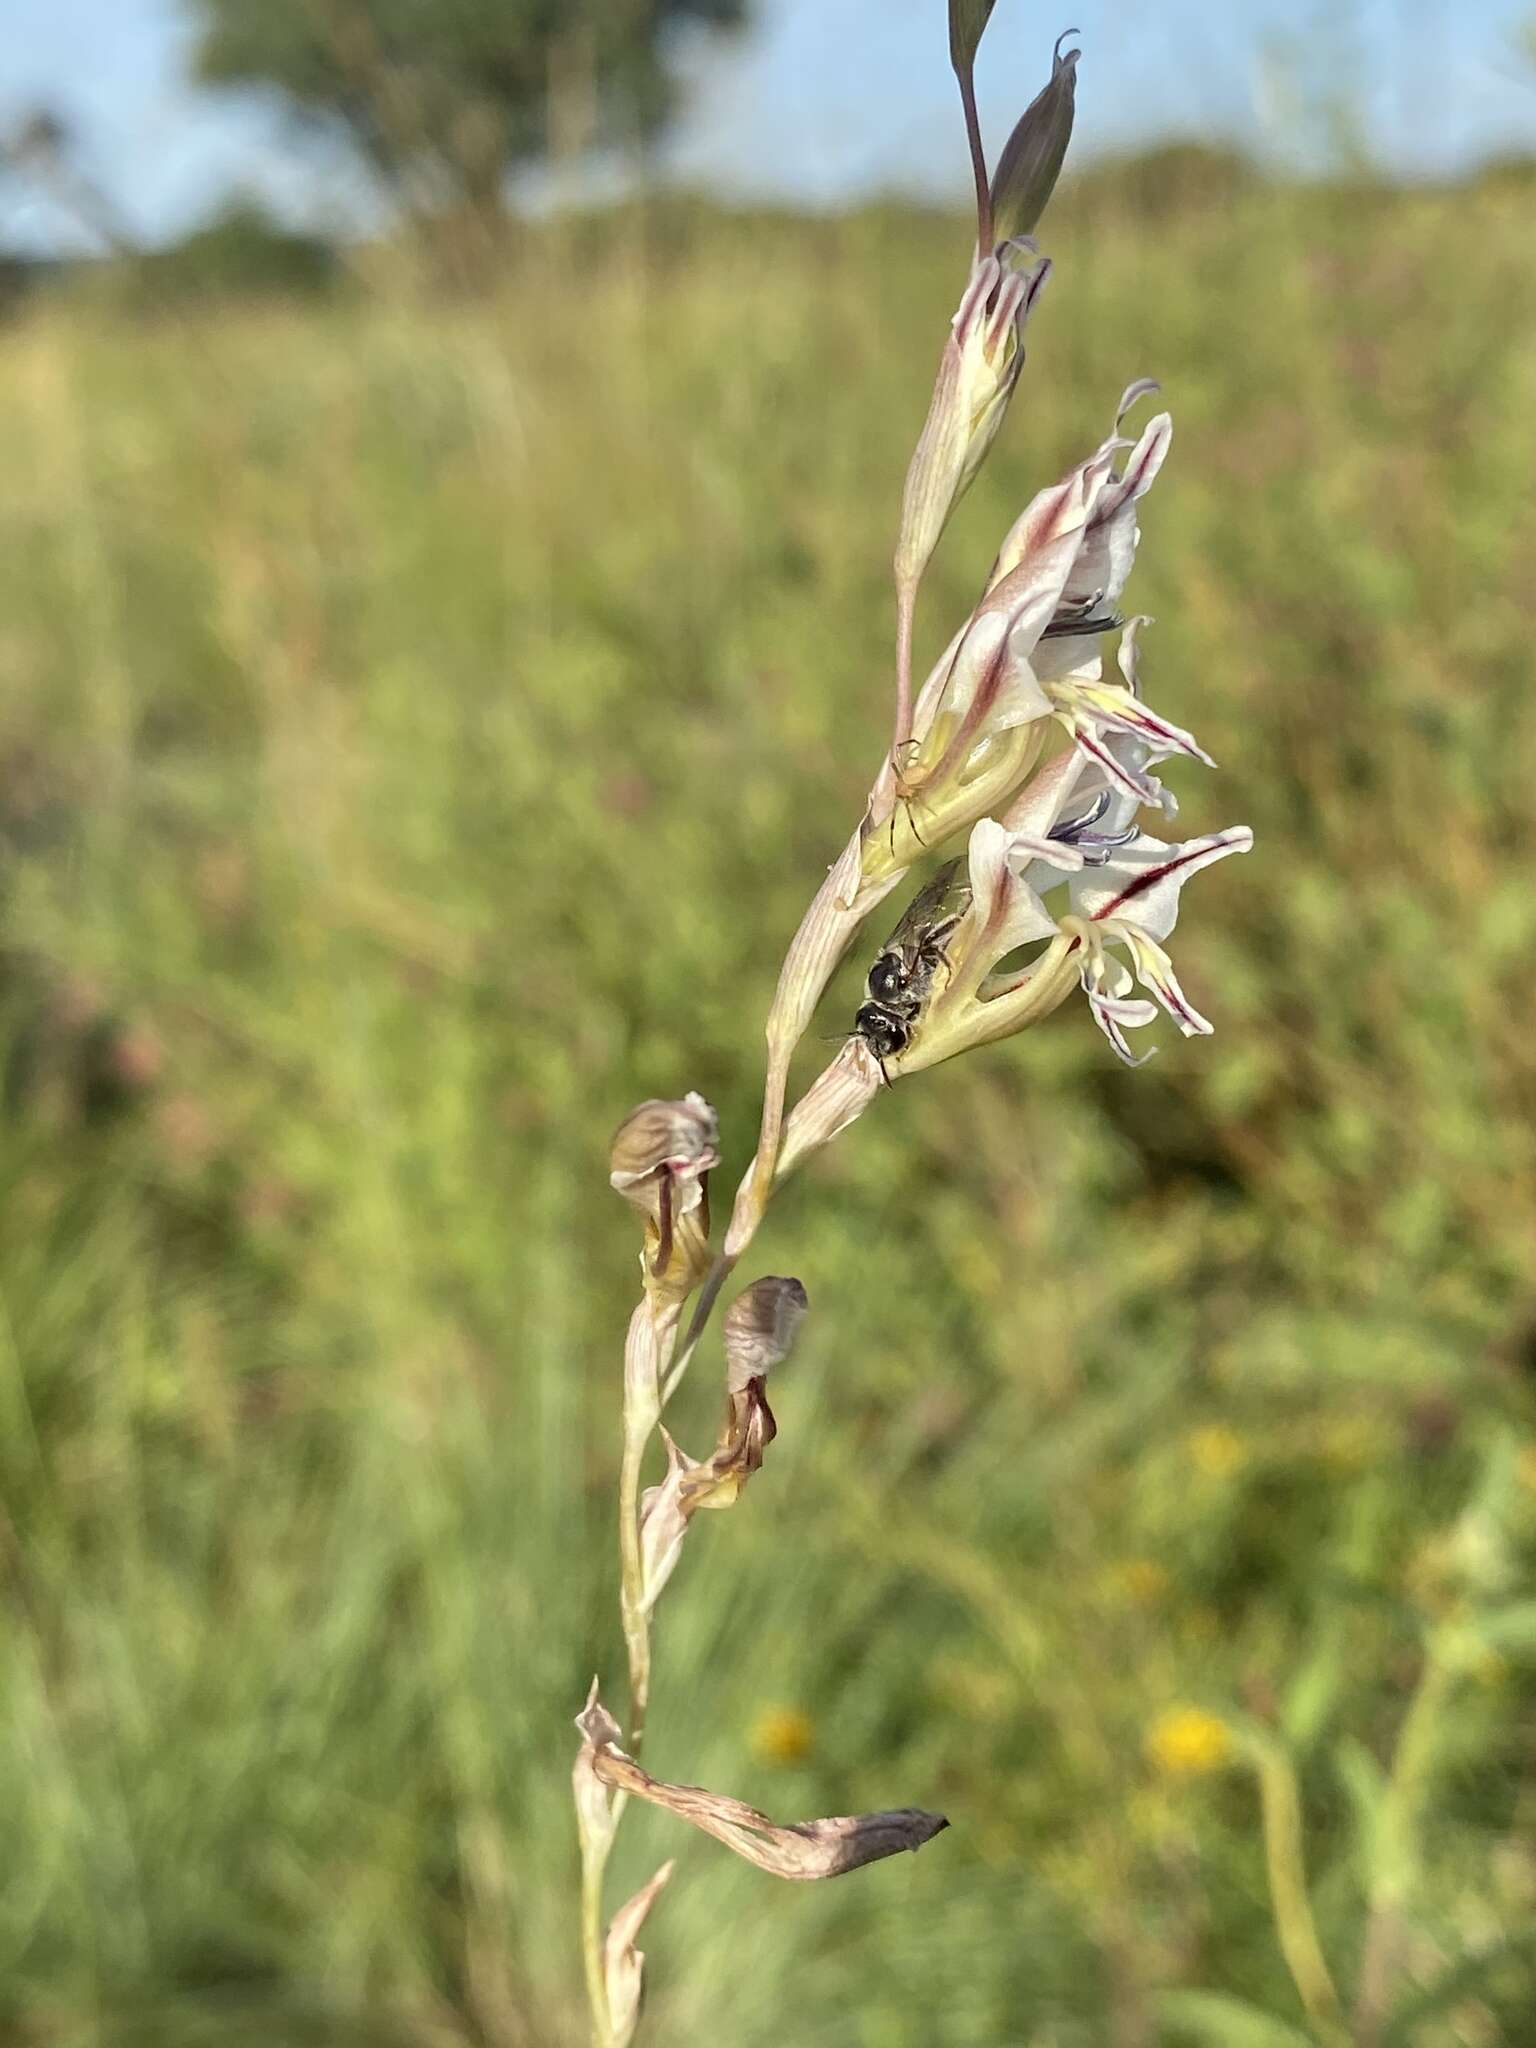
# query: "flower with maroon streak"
1121,897
1030,653
1132,902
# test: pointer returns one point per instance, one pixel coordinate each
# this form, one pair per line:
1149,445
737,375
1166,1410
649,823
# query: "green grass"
420,728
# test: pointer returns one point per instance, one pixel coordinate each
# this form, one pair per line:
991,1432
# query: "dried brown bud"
691,1484
661,1143
760,1328
748,1430
661,1155
594,1801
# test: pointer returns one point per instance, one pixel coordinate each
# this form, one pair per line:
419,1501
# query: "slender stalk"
637,1628
756,1186
594,1861
978,161
1396,1856
647,1351
709,1294
906,605
1285,1865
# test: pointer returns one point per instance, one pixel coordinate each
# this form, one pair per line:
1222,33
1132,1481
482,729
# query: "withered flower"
761,1325
760,1328
802,1850
661,1156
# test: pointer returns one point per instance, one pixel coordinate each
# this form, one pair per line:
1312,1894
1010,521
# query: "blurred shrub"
242,253
1175,177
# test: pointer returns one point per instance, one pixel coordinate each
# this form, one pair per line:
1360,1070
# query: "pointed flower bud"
967,22
977,373
595,1820
624,1964
661,1156
1032,157
760,1328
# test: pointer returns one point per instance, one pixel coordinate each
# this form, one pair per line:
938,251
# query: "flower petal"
1115,1014
1118,774
1141,885
1005,911
1050,795
1059,510
1113,708
1021,700
1164,984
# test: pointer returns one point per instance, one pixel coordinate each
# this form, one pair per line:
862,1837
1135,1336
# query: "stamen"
1071,829
1068,624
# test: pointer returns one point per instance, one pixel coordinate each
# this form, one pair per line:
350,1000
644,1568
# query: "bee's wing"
940,901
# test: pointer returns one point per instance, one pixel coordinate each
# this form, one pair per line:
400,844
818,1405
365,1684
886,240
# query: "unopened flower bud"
967,19
977,372
1033,155
760,1328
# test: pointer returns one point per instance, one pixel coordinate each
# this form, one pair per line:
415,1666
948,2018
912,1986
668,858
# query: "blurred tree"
443,97
43,150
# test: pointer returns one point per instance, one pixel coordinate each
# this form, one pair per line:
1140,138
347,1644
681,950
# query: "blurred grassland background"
421,725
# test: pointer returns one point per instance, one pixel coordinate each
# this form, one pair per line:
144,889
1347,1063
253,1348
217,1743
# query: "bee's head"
881,1030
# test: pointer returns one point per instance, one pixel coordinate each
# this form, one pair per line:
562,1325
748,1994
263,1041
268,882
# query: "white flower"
1130,899
1032,651
1116,899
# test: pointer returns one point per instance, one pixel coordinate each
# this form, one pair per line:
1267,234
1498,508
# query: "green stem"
637,1627
593,1863
1285,1866
1396,1851
967,81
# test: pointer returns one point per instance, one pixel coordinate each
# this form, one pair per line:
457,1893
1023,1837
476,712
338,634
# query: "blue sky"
827,100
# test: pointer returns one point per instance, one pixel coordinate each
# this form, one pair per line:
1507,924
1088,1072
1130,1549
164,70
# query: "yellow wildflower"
1186,1742
782,1735
1216,1450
